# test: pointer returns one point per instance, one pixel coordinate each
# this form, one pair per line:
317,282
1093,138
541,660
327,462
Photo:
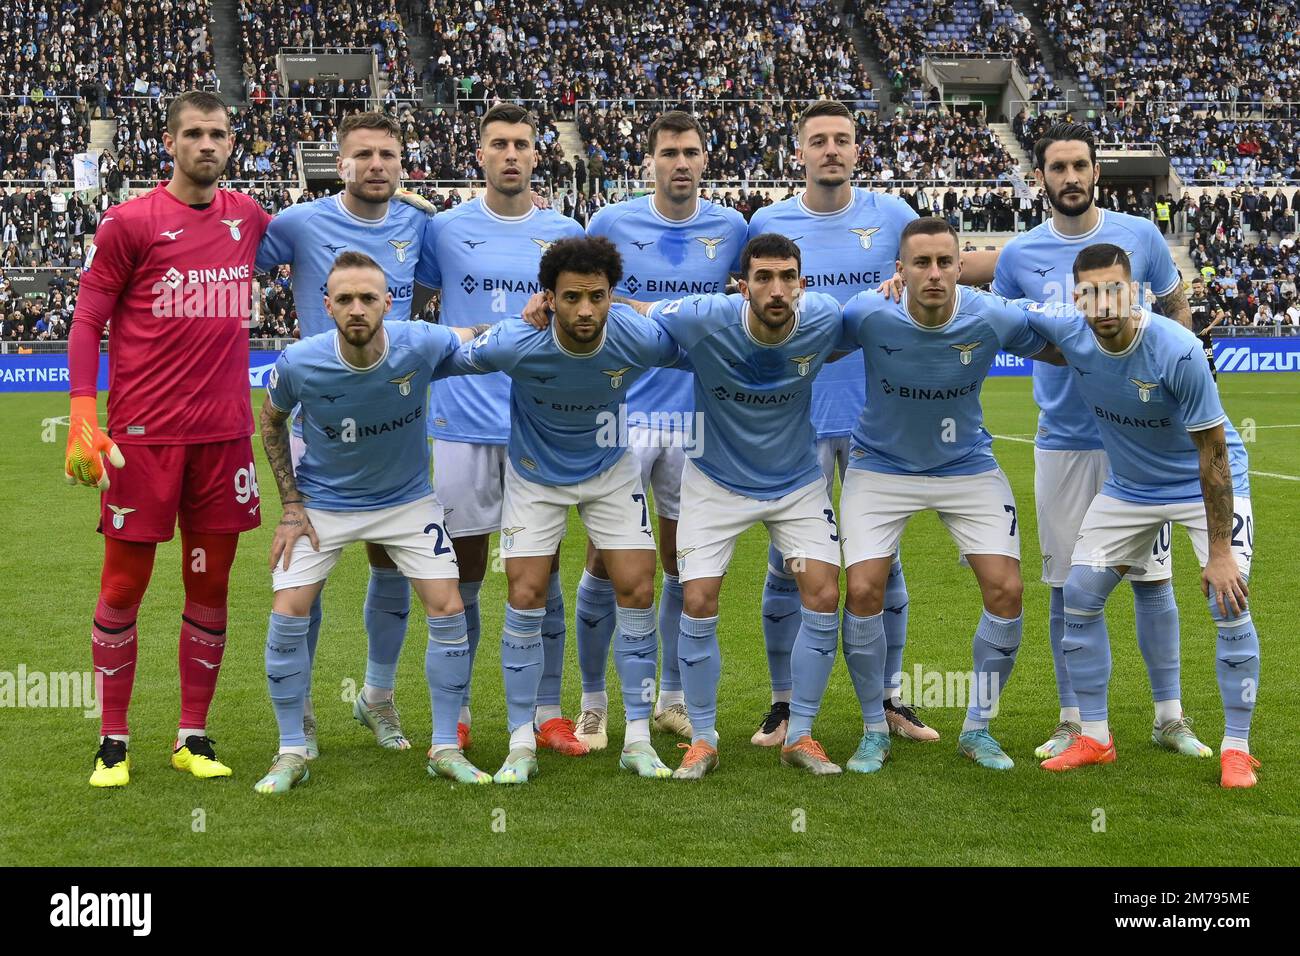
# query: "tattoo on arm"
1216,483
1174,305
275,440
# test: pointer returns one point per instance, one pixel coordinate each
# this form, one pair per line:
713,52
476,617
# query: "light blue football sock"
701,660
636,655
811,662
287,668
1156,615
522,659
1086,645
388,604
447,670
670,626
553,630
594,627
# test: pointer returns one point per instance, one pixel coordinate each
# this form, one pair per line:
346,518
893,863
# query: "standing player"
567,385
364,476
1174,457
1069,460
923,447
173,271
849,240
484,256
1203,321
363,217
756,355
672,244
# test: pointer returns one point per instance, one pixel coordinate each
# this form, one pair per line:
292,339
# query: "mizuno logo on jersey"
1144,388
119,515
616,375
334,250
403,384
472,243
508,536
966,350
233,226
864,236
711,245
642,245
399,246
803,363
171,235
1043,272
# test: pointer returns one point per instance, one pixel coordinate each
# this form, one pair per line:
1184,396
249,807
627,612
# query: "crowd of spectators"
39,138
268,25
33,318
568,50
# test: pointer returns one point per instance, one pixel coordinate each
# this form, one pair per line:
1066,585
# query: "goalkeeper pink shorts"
210,488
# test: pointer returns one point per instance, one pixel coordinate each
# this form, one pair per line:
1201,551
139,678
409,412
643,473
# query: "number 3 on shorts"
835,529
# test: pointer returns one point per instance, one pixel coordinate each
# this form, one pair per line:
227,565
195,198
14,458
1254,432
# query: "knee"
823,597
595,563
471,556
1087,588
294,602
1004,597
865,598
699,605
641,594
526,595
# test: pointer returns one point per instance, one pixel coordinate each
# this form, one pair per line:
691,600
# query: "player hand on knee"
1222,580
82,464
294,523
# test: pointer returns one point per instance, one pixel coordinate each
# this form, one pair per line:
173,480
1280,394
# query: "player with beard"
173,271
1070,464
370,216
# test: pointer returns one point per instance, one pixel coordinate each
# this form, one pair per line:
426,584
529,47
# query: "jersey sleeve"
682,318
493,351
427,271
1052,322
1162,272
276,247
600,222
1004,280
281,387
111,259
434,342
1011,323
656,346
854,321
1192,386
739,238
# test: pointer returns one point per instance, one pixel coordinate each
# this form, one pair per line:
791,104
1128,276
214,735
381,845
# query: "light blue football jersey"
486,266
309,236
1145,401
666,259
364,428
757,437
1039,265
844,253
564,406
923,384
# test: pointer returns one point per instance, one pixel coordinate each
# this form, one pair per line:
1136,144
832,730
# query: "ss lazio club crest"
403,384
967,350
1144,388
616,375
508,537
864,235
399,246
711,245
681,557
543,244
803,363
119,515
233,226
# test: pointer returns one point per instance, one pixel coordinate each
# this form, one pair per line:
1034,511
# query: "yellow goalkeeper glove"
82,463
416,200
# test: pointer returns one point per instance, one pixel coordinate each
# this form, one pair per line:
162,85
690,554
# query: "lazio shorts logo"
1144,388
233,226
681,557
803,363
119,515
864,236
616,375
403,384
399,246
508,537
967,350
711,245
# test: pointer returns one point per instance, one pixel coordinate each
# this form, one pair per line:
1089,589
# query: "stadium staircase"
1180,247
570,140
867,54
224,28
102,132
1057,66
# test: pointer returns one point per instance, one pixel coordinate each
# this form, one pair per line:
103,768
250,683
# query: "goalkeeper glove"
416,200
82,463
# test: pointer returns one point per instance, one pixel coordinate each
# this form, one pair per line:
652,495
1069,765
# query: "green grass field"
368,806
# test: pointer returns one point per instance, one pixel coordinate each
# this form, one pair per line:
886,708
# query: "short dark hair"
379,121
824,108
507,113
1064,133
674,121
927,226
584,255
1101,255
769,245
355,260
200,100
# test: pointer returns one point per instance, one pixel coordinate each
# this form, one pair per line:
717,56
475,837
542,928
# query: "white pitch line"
1275,426
1269,474
1027,441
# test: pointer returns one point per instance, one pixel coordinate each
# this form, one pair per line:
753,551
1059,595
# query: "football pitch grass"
364,805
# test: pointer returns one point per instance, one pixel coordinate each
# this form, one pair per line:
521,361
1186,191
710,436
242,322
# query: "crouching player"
364,478
1174,456
924,447
567,383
